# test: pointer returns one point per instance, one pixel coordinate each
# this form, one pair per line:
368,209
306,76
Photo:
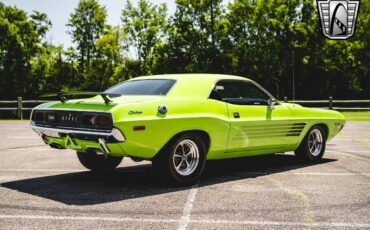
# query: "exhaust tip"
104,145
55,146
45,139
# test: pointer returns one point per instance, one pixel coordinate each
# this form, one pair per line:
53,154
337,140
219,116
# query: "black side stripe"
296,129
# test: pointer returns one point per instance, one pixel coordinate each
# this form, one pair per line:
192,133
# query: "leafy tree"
264,35
362,53
109,57
194,44
20,41
87,24
41,23
144,29
53,70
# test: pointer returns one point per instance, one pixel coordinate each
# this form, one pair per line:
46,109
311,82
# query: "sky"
58,12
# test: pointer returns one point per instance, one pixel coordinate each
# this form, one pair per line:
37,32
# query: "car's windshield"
143,87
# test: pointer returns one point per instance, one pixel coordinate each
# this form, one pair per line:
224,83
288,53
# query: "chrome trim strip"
70,128
41,129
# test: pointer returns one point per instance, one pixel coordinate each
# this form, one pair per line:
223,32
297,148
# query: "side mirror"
271,102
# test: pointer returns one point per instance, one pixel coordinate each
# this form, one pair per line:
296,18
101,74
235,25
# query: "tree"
20,41
109,57
87,24
271,39
144,29
53,69
194,36
361,69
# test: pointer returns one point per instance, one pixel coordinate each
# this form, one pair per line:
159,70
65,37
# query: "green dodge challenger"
180,121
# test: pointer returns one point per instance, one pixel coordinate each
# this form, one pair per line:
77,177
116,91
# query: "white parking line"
278,223
88,218
42,170
185,218
24,137
334,151
303,173
205,221
33,150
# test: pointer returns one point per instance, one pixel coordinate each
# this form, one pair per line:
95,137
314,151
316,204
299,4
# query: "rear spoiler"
62,96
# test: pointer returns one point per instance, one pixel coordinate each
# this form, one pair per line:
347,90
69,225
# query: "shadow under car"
87,188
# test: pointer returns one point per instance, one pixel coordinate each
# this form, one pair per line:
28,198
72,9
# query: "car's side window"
239,92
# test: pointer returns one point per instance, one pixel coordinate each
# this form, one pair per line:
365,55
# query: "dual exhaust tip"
52,145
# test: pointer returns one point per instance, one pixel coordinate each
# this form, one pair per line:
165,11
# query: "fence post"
20,112
285,99
330,102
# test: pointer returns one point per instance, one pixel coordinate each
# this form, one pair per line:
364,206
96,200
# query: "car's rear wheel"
98,162
312,147
183,160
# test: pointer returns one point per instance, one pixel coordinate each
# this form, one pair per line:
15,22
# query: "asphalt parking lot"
43,188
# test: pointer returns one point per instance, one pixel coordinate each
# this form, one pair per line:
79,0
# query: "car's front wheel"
182,160
98,162
312,147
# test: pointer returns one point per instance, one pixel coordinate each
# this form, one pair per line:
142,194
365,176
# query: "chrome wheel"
186,157
315,142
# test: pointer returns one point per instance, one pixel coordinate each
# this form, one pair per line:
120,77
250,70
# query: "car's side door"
255,124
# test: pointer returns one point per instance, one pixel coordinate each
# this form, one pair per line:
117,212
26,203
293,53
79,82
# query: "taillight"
89,120
98,120
38,116
103,121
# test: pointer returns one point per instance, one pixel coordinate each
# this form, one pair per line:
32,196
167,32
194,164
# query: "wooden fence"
330,103
19,102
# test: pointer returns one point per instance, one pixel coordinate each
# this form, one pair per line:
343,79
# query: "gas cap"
162,109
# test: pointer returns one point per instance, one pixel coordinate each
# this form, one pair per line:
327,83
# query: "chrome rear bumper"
62,132
54,132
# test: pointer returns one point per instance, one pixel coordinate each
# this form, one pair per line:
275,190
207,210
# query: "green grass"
357,116
12,120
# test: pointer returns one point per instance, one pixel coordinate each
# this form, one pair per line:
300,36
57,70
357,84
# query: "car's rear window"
143,87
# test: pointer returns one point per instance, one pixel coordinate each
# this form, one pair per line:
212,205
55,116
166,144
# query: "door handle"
236,115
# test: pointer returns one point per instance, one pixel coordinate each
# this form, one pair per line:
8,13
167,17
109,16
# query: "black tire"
166,160
307,151
100,163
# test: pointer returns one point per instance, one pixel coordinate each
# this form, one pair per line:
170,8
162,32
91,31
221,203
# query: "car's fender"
146,130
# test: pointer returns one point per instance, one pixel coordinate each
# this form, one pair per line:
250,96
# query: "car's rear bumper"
107,142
